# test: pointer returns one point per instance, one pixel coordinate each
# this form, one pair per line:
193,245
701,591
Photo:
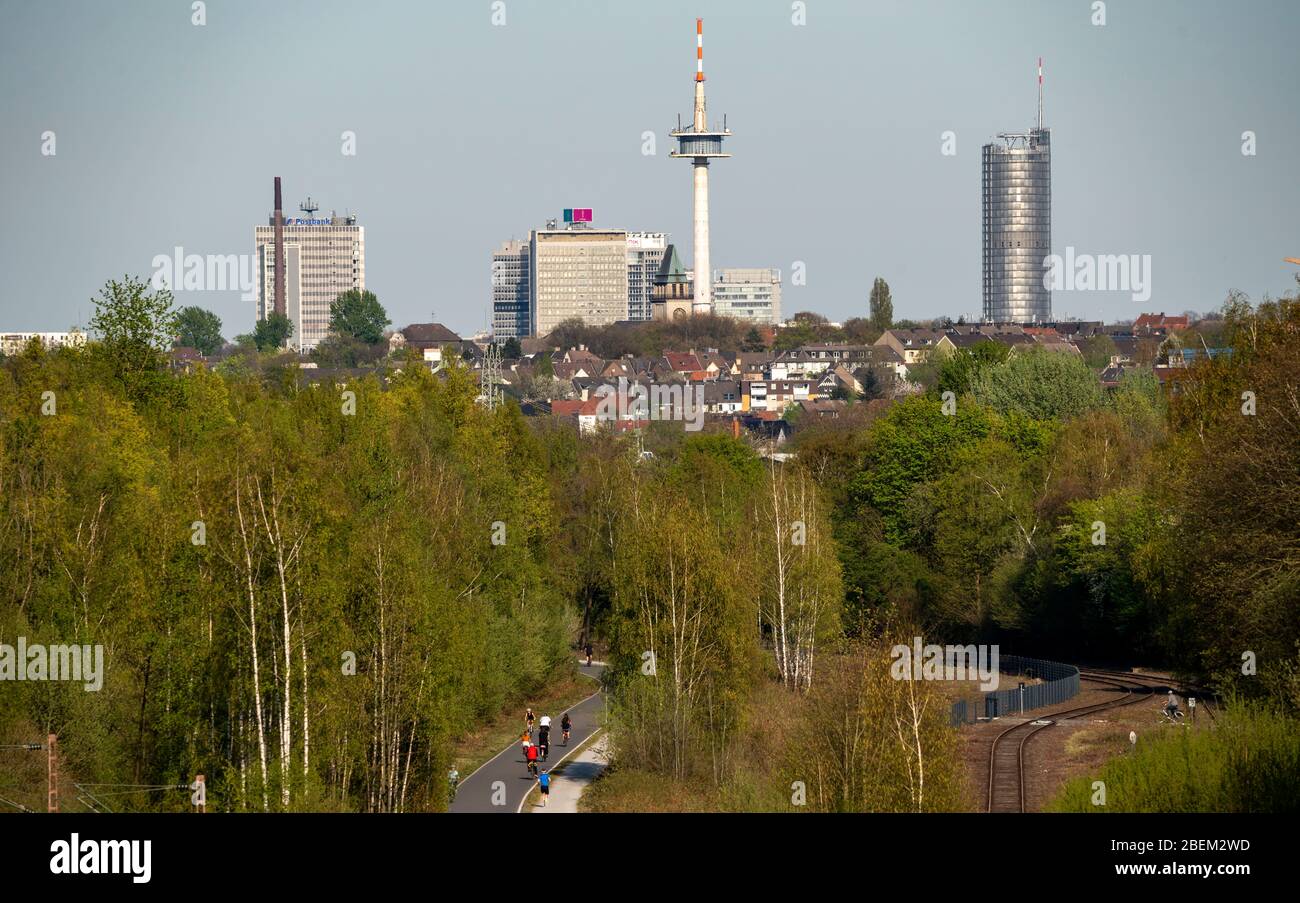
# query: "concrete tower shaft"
703,303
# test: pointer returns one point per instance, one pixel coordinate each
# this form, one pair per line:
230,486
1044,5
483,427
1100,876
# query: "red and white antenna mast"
699,50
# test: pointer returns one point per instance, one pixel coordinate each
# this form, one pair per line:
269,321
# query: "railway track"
1156,682
1006,787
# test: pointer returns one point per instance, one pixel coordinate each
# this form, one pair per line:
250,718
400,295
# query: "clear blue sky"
469,133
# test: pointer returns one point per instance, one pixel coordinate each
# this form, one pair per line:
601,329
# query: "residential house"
723,396
184,359
429,339
1158,324
1053,342
579,355
916,346
823,407
569,370
753,365
684,362
718,364
778,394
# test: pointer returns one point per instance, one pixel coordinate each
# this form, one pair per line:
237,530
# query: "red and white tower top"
699,50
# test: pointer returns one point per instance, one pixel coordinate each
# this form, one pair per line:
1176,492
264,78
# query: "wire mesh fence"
1058,682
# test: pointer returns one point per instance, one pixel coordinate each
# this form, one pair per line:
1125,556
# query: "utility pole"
52,775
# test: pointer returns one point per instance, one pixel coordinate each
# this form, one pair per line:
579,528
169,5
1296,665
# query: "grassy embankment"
1248,760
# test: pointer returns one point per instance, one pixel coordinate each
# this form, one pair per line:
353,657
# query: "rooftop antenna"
1040,93
309,207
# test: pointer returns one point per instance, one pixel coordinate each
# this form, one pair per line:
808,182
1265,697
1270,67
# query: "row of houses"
724,382
816,379
756,388
922,345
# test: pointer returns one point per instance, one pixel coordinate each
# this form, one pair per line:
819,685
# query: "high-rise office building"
645,253
510,290
748,294
1017,209
324,257
577,271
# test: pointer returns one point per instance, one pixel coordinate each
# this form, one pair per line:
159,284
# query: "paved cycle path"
500,784
578,773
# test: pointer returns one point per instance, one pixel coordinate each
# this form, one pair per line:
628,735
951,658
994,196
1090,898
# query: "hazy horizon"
469,133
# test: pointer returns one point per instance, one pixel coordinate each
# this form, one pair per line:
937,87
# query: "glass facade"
510,268
645,252
1017,210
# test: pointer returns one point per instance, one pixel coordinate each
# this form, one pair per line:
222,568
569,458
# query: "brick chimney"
279,252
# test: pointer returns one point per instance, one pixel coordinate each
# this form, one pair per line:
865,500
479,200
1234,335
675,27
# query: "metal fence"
1059,683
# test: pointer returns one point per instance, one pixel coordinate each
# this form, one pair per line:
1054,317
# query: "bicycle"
1166,718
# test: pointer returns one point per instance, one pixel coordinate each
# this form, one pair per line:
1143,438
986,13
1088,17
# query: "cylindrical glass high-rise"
1017,176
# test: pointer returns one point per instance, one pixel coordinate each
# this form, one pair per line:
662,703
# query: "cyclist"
544,737
532,760
1171,707
565,726
530,718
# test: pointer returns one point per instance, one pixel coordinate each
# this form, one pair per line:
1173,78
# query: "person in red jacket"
532,760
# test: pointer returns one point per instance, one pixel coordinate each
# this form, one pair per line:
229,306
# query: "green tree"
873,386
958,371
271,333
860,331
199,329
359,315
882,305
1098,350
135,325
1042,384
805,328
511,350
914,443
1233,524
753,342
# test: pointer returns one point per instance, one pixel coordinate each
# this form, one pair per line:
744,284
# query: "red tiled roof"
1159,321
682,362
